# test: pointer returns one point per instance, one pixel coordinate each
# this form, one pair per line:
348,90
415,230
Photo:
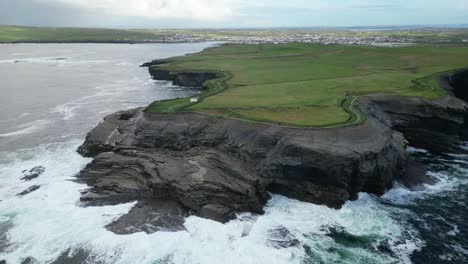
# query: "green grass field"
10,34
303,84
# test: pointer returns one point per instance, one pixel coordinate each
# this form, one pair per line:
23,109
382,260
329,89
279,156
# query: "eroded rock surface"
216,167
191,163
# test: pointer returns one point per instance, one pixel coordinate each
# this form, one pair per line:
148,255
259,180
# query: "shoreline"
175,153
102,42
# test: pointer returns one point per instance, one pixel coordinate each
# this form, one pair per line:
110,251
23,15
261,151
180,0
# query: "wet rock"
217,167
151,216
209,183
417,176
33,173
341,236
104,137
281,238
29,190
29,260
5,243
78,256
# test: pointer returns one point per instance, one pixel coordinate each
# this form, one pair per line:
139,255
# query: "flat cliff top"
308,85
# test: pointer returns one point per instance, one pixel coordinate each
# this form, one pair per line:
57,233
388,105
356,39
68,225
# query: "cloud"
373,6
230,13
156,9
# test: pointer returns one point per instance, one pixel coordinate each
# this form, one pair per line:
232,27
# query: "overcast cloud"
231,13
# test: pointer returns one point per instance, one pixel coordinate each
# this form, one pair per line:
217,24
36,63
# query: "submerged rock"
29,260
340,236
33,173
76,256
280,237
29,190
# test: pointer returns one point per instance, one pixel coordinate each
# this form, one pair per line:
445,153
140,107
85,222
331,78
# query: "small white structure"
194,100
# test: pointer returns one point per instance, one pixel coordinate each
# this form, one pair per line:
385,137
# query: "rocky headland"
184,164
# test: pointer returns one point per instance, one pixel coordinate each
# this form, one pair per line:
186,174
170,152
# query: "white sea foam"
48,222
15,118
67,110
27,128
53,60
401,195
415,150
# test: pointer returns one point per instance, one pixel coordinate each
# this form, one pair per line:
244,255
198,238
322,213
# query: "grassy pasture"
304,84
9,34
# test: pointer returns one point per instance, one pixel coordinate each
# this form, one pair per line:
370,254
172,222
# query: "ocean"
53,94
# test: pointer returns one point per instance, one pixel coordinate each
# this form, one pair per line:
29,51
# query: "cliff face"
187,79
435,125
215,167
459,84
223,166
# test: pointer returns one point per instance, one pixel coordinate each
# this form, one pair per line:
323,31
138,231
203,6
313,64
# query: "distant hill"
17,34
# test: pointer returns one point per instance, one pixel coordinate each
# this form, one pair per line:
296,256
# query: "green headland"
309,85
12,34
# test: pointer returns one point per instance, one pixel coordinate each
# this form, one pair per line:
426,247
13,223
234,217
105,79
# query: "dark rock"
29,190
154,63
208,182
104,137
434,125
417,176
187,79
342,237
216,167
151,216
33,173
459,83
281,238
29,260
79,256
5,243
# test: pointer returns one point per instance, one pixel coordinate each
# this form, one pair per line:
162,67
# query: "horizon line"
408,26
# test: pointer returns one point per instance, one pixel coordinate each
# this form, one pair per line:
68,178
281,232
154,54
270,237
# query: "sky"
231,13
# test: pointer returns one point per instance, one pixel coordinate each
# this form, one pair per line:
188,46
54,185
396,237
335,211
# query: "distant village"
325,39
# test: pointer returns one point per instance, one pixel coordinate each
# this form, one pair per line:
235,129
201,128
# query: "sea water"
52,94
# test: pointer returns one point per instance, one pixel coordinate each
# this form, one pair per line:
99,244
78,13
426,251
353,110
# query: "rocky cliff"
216,167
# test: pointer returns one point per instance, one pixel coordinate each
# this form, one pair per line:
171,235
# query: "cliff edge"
181,164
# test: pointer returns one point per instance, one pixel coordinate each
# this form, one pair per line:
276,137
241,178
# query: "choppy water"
47,105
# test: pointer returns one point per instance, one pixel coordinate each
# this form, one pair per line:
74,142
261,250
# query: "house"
194,100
